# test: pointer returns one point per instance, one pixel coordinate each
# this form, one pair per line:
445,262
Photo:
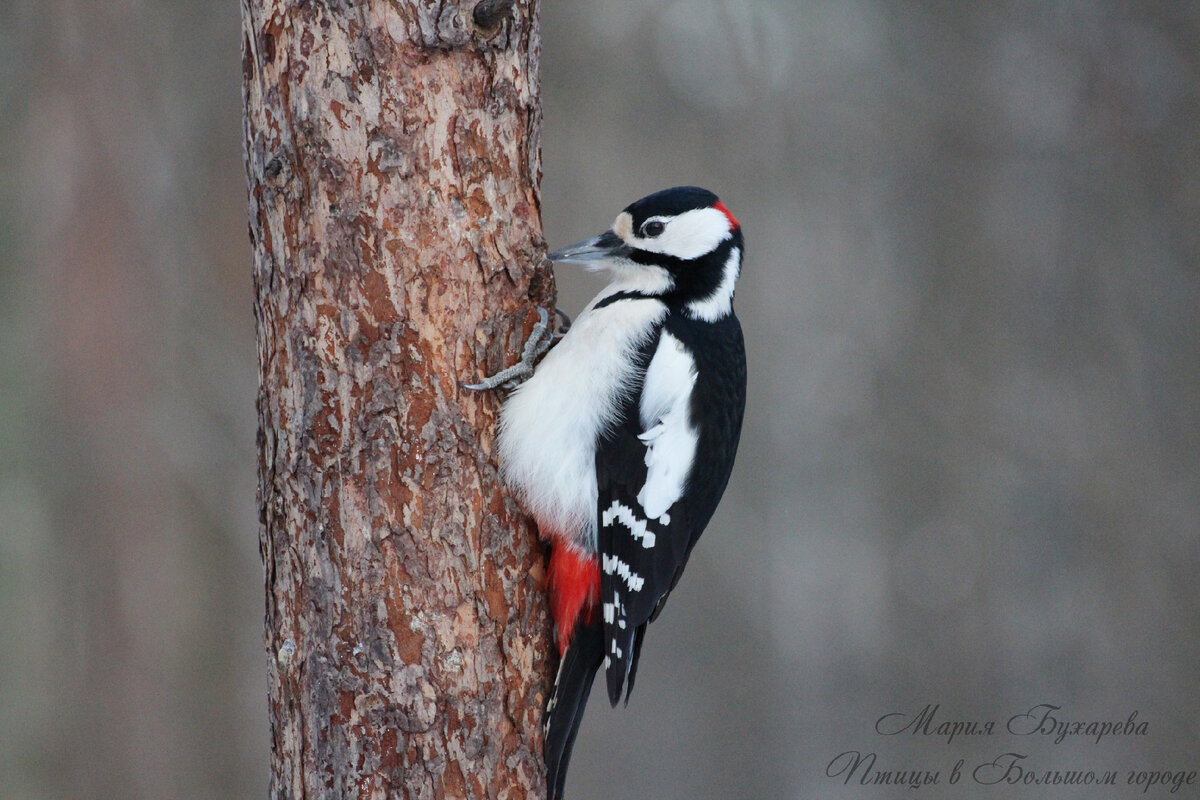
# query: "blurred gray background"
970,473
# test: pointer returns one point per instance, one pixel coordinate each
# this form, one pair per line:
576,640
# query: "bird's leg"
541,339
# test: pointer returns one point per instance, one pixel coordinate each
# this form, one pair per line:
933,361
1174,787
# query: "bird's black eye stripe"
653,228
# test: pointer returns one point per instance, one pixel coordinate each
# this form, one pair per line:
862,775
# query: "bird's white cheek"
687,236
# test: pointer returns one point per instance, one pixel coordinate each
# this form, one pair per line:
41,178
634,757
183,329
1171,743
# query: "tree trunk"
393,165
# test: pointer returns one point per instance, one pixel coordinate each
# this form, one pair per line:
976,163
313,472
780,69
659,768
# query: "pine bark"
393,166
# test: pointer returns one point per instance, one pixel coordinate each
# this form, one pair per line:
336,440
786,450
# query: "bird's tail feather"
564,712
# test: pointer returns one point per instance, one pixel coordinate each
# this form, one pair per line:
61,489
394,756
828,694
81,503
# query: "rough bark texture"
393,166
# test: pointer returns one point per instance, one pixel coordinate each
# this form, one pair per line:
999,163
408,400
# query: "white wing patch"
669,436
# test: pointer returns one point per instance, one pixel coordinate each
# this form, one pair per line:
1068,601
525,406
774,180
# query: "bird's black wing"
634,551
630,548
642,555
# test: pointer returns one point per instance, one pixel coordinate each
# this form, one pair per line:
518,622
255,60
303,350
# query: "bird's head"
680,244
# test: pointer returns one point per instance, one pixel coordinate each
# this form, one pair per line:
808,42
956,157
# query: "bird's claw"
508,379
541,339
564,323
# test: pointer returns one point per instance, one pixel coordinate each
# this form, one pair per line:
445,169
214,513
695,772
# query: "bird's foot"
541,339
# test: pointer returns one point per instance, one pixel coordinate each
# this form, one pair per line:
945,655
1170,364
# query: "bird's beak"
605,247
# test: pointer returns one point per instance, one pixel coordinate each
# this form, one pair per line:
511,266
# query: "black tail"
564,712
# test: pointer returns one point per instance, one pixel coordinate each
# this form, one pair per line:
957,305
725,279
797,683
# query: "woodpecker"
621,441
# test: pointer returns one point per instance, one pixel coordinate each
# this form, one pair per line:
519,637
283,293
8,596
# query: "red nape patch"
733,223
574,580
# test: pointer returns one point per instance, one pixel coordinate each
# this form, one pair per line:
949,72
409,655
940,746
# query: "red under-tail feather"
574,582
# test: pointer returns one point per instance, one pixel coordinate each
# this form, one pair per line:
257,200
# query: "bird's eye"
652,228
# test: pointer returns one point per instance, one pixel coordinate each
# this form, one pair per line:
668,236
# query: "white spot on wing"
669,437
615,566
619,512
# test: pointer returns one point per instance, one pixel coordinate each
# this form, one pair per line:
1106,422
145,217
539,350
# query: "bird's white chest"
550,425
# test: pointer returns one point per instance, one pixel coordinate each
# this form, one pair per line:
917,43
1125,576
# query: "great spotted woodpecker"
621,441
